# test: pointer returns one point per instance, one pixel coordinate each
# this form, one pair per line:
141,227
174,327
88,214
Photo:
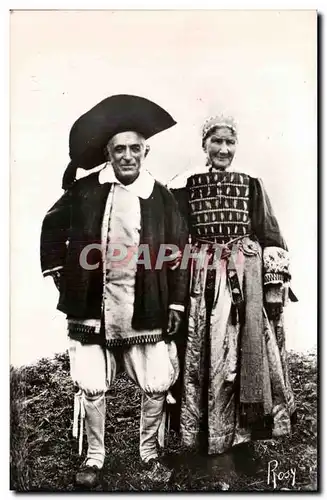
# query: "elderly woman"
235,385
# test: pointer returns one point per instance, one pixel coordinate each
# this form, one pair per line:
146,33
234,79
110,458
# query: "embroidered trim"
224,237
222,222
219,179
94,323
276,261
210,198
219,206
219,210
275,278
86,338
79,328
235,287
142,339
200,185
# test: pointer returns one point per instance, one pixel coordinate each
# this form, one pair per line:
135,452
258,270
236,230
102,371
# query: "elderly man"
101,243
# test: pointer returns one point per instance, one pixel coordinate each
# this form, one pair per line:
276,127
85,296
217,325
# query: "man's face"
127,151
220,147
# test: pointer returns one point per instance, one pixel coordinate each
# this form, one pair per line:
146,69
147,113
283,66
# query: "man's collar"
141,187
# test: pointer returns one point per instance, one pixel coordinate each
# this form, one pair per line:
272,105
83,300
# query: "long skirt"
210,405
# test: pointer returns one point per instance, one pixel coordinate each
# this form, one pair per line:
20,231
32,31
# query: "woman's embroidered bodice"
219,205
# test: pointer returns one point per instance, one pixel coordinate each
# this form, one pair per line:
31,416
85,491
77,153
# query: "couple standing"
230,369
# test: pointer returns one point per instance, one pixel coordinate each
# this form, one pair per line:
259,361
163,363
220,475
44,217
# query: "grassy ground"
44,454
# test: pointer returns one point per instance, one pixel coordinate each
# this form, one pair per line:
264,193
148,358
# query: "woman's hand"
274,299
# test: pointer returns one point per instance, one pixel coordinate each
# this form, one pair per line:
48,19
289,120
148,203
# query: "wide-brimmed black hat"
118,113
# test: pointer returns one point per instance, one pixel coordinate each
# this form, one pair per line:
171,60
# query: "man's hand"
174,321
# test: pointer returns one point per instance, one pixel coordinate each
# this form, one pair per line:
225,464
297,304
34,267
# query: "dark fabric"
118,113
264,227
77,218
86,336
264,222
181,196
155,289
69,175
55,233
251,354
219,205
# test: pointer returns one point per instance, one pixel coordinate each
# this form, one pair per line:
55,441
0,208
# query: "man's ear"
147,149
107,153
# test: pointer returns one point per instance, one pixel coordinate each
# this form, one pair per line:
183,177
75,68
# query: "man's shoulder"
164,192
161,188
86,182
162,196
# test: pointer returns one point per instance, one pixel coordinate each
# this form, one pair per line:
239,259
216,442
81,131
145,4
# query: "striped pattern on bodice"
219,205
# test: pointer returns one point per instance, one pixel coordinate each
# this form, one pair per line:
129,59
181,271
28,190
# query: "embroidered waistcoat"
219,206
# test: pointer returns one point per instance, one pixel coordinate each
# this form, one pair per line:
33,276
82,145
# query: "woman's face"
220,147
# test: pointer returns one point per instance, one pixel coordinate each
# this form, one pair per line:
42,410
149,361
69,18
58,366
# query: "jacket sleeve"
264,222
276,262
177,234
55,235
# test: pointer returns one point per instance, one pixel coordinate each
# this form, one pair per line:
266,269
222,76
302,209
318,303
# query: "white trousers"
153,367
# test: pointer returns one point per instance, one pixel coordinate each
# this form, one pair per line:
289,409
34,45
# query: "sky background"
259,66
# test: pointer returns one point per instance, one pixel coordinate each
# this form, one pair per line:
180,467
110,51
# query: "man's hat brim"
119,113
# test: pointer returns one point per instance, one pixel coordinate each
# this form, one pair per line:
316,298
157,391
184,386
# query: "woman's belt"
225,253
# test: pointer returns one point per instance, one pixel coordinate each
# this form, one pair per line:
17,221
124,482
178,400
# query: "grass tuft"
44,455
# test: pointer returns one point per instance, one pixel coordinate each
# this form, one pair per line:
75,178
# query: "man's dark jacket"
75,221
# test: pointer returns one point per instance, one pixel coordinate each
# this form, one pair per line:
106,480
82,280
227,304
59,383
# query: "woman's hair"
213,130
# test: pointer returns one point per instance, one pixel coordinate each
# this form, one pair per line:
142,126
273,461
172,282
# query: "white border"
7,5
162,5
